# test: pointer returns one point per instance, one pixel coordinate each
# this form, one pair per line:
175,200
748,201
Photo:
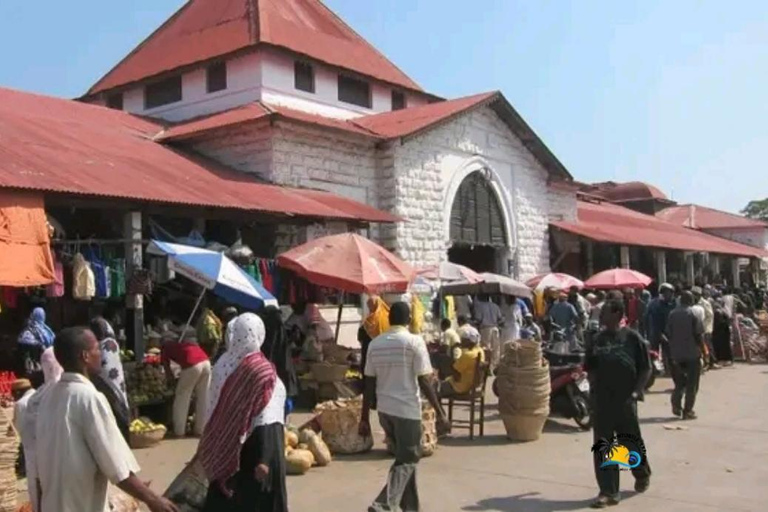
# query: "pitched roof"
387,125
611,223
55,145
206,29
700,217
629,191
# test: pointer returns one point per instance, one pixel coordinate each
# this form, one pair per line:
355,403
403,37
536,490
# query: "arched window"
476,215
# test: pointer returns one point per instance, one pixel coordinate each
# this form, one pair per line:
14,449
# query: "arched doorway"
478,230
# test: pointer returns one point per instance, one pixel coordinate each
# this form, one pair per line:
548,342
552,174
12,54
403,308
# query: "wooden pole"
338,318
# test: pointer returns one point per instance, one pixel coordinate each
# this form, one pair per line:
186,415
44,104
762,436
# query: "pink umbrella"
554,280
450,272
618,278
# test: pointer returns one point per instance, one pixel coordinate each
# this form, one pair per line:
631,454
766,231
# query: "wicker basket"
329,373
9,451
147,439
428,432
524,427
339,421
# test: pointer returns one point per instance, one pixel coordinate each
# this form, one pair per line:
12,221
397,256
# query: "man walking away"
79,447
702,307
657,315
686,338
488,318
396,369
566,317
619,365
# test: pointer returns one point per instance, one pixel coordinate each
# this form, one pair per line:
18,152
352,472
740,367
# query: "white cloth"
248,334
513,319
29,440
698,310
397,358
274,412
709,316
229,331
83,280
195,379
490,339
112,367
469,332
52,370
79,447
20,409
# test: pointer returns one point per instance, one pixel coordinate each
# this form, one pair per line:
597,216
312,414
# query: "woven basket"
147,439
428,432
339,421
9,451
329,373
524,427
520,354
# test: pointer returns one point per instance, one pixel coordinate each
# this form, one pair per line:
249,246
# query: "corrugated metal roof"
605,222
206,29
700,217
63,146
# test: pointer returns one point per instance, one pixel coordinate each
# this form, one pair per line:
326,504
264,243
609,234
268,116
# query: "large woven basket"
524,427
140,440
339,421
9,451
520,354
428,432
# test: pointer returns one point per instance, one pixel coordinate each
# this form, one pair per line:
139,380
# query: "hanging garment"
117,274
84,282
56,288
450,307
10,297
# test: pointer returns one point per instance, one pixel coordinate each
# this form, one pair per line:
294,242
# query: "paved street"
717,463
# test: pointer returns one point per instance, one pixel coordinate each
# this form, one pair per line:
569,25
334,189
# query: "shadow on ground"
531,502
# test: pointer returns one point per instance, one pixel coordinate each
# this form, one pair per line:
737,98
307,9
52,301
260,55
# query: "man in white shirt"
488,318
79,446
704,311
396,369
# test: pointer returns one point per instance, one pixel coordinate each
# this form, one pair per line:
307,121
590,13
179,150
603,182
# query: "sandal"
604,501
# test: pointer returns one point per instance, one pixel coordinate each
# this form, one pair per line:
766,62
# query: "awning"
25,252
610,223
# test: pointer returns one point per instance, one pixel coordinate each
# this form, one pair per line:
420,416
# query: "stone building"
285,90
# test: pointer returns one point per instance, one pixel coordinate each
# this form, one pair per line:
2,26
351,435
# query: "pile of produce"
524,386
145,434
304,450
144,425
147,383
339,421
127,356
428,432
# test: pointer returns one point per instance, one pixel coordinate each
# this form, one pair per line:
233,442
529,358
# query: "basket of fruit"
145,434
328,372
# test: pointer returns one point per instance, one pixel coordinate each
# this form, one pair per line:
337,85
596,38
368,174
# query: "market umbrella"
554,280
350,263
215,272
490,283
450,272
618,278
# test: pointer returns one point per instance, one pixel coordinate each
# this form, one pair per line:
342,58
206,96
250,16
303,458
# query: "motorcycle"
657,368
570,389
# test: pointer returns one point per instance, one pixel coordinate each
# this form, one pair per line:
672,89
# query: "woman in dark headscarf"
35,338
278,349
721,334
111,380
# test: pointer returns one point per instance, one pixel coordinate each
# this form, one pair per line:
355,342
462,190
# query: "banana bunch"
143,425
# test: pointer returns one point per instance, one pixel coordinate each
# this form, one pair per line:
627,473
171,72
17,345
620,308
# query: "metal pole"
192,315
338,318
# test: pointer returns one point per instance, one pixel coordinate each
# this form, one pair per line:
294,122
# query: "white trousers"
490,339
195,379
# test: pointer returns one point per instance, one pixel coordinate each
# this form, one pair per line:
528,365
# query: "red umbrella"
350,263
450,272
554,280
618,278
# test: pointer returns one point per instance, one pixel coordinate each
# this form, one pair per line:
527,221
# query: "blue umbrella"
215,272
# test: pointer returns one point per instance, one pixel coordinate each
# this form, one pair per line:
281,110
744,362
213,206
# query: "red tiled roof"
700,217
207,29
629,191
401,123
57,145
612,223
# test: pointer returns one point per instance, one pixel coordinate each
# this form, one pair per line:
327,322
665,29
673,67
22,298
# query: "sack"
190,488
141,282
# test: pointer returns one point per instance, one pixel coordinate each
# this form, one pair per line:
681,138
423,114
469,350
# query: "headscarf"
377,321
52,370
37,332
248,382
313,317
247,336
111,365
277,348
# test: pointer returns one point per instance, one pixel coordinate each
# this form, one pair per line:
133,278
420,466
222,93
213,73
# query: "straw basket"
329,373
149,439
524,427
520,354
339,421
428,432
9,451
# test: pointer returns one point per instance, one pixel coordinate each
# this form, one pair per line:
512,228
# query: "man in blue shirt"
657,316
566,317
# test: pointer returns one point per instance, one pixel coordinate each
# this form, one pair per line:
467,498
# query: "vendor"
195,377
464,367
209,330
376,323
306,317
449,338
33,340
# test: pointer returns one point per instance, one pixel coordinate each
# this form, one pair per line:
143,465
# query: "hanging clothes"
117,275
56,288
10,297
417,315
83,279
450,307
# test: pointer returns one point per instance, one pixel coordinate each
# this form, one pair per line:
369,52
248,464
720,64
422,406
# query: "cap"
666,286
696,290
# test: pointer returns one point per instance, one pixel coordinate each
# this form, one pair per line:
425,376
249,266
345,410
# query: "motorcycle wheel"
651,381
583,417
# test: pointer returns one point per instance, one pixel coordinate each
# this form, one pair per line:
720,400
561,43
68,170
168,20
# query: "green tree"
757,209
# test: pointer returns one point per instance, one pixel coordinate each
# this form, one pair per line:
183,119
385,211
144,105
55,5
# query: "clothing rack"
100,241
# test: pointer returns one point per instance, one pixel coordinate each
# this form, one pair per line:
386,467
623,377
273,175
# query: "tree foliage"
757,209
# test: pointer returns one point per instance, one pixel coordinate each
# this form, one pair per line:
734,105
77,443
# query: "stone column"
590,245
134,313
624,256
690,269
714,261
661,266
735,277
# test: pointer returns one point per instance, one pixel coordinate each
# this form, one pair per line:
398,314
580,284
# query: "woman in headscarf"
721,334
279,349
376,323
242,447
111,380
34,339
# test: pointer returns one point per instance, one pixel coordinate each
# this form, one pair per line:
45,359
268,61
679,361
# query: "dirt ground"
717,463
